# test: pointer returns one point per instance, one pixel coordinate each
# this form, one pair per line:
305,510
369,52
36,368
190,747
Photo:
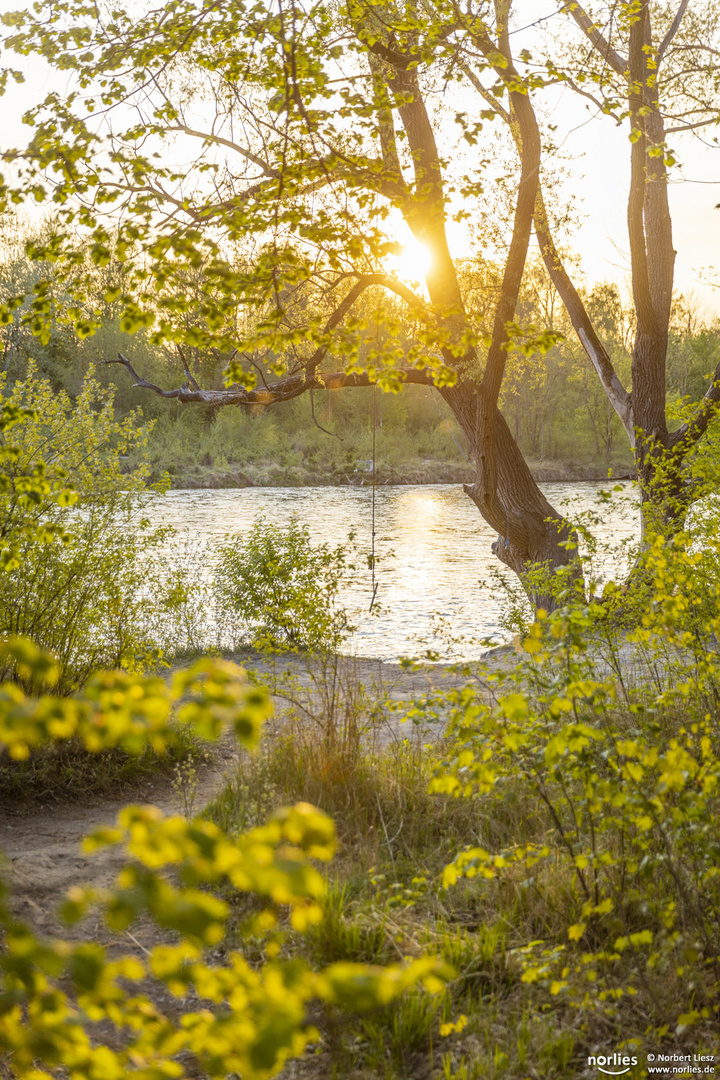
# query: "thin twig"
186,367
133,938
317,423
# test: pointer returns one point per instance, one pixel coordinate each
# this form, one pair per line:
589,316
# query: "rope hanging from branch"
374,584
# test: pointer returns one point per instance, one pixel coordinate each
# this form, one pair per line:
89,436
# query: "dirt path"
41,846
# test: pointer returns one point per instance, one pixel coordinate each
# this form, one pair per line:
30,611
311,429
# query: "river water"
437,580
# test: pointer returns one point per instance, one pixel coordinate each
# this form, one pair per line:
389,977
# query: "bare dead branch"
283,390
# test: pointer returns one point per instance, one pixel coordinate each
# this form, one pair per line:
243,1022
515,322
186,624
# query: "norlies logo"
614,1065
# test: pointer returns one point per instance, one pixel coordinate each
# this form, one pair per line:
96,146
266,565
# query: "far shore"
424,472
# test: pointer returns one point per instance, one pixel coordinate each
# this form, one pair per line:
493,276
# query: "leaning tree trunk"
531,532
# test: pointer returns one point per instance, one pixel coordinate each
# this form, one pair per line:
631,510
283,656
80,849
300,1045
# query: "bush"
619,859
236,1017
282,590
92,591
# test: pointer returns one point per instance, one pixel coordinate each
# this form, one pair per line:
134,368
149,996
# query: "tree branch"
317,423
674,27
519,243
691,432
617,395
282,390
192,381
522,116
298,382
593,33
386,125
399,61
692,127
208,137
642,295
485,93
363,283
425,211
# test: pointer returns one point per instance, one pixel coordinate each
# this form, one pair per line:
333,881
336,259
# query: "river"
437,580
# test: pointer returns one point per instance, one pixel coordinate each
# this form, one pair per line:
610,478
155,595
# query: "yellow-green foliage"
621,854
83,582
282,589
117,709
26,490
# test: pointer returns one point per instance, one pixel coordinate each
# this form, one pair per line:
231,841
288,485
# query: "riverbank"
270,474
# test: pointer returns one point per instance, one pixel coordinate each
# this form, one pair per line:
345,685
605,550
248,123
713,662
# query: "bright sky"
600,170
602,156
601,152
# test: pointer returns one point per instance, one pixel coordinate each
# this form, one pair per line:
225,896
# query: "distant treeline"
553,402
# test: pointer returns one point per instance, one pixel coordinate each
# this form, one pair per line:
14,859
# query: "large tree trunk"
530,530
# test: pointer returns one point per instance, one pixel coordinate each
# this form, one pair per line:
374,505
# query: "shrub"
92,591
281,589
620,855
249,1018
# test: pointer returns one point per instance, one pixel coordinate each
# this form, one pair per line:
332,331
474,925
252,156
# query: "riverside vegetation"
54,994
537,890
539,885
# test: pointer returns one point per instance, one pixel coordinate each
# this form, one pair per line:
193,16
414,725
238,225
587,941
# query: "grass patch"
379,801
68,773
386,902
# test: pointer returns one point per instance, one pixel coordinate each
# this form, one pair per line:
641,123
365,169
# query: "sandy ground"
41,846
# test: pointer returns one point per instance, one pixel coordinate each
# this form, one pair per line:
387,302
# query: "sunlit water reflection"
432,550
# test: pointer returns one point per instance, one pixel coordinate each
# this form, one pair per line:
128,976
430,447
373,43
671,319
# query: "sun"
410,262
